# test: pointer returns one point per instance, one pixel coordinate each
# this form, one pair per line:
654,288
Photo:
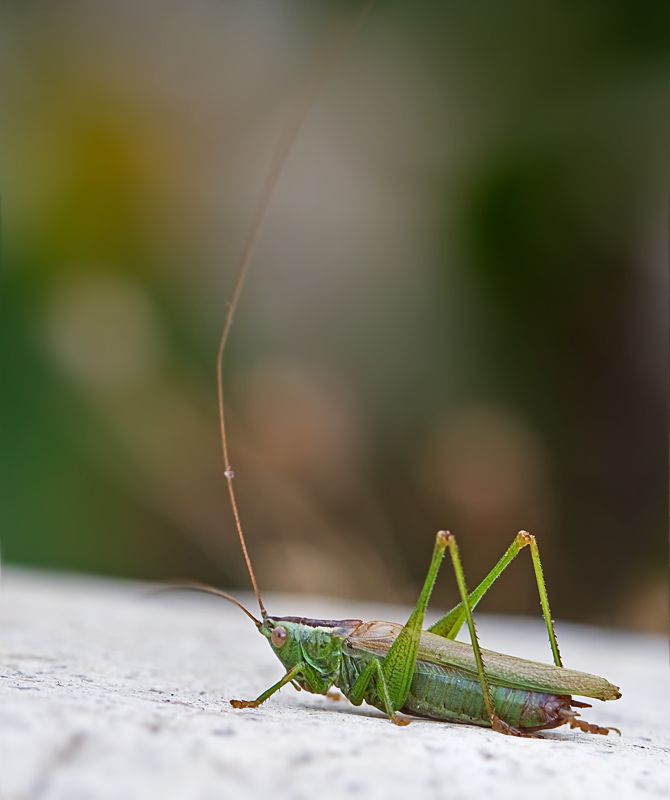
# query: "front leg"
290,675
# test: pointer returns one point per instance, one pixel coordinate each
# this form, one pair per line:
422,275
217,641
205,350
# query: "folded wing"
518,673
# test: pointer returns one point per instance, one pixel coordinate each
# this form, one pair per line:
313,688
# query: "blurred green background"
457,316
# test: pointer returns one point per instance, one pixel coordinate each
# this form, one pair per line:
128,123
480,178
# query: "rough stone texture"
107,693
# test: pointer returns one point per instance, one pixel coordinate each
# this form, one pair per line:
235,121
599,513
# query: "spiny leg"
394,674
400,661
374,670
544,598
497,724
450,625
288,678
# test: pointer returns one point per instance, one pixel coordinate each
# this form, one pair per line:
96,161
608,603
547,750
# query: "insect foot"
585,726
244,703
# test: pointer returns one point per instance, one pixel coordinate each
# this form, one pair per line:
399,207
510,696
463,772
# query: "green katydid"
403,668
428,674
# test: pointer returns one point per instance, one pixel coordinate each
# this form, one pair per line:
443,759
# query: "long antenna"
288,137
196,586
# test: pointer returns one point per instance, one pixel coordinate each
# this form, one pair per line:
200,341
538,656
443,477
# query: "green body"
445,692
426,673
445,685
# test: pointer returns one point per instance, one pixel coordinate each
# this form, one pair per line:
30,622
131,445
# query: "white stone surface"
105,693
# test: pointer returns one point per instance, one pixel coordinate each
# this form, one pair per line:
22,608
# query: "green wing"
517,673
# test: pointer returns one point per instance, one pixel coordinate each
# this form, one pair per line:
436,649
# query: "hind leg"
587,727
450,625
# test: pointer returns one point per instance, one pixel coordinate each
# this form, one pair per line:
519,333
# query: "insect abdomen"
448,694
445,693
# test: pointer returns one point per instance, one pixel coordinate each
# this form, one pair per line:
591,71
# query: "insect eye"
279,636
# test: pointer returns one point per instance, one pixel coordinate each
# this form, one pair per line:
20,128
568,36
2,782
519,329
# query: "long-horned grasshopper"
400,668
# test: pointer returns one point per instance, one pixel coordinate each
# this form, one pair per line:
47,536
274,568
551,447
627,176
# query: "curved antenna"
196,586
288,137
